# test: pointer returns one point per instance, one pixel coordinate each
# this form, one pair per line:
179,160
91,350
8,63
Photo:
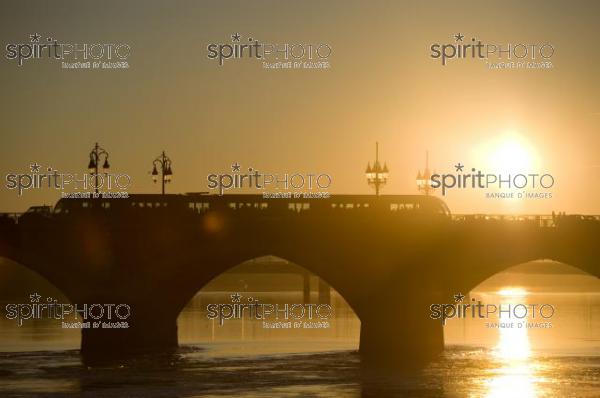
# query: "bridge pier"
306,287
148,331
324,292
400,334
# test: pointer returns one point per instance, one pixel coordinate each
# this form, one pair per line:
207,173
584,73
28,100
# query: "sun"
509,153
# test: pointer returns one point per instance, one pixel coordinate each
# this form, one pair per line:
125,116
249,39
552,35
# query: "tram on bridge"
201,203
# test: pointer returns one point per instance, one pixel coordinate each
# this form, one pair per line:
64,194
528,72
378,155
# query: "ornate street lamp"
377,176
164,163
96,156
424,183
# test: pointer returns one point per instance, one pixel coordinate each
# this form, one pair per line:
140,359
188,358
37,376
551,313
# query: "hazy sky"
382,86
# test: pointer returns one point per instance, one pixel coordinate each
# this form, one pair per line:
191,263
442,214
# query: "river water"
39,359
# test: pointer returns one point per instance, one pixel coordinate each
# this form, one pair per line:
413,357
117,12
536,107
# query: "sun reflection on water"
513,342
515,376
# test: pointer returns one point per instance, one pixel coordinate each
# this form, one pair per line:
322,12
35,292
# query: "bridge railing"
542,220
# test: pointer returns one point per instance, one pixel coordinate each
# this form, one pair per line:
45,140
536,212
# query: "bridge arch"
491,267
539,282
18,278
536,266
17,283
253,279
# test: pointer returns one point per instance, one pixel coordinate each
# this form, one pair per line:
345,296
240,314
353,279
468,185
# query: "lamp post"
164,162
424,183
96,155
377,176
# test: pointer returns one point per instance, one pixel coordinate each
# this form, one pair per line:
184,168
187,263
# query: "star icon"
35,38
459,166
35,168
35,298
459,297
235,37
459,37
236,298
235,167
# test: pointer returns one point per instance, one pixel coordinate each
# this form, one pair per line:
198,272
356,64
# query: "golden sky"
382,86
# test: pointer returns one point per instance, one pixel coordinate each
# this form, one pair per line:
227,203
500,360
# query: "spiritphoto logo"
93,316
273,316
70,55
476,179
85,184
496,55
271,55
503,315
294,184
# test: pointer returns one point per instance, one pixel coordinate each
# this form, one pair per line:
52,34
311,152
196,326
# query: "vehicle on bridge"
201,203
36,212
